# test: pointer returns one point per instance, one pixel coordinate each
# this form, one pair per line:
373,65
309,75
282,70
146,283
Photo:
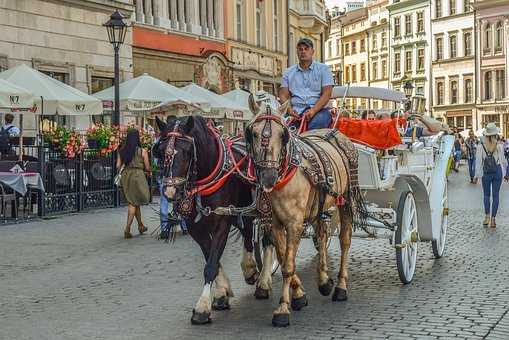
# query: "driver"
309,86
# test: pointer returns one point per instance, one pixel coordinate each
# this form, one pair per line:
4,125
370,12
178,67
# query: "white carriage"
406,189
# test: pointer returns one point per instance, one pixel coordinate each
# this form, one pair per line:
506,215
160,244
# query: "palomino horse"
196,174
303,177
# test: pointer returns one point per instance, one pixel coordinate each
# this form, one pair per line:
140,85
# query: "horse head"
177,150
267,137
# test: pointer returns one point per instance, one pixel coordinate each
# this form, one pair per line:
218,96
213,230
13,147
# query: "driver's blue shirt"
305,86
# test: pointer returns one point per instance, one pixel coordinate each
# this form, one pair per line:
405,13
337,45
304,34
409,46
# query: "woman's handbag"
116,181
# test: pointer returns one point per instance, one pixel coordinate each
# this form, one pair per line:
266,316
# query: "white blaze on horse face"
204,304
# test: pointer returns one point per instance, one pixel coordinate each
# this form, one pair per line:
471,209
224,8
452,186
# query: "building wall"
64,37
452,73
334,50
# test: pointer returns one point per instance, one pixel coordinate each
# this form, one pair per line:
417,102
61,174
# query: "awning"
367,92
14,97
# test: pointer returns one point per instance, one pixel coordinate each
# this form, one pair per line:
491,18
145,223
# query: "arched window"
487,37
498,36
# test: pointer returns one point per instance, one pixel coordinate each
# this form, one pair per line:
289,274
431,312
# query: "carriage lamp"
117,29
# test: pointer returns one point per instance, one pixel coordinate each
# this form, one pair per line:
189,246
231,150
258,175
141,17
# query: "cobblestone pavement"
76,278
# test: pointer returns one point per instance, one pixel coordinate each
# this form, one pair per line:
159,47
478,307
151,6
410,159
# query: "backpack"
490,165
5,140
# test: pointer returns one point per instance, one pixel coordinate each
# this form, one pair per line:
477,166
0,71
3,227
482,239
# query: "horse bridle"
169,156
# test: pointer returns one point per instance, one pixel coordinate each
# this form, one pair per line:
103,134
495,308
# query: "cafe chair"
5,197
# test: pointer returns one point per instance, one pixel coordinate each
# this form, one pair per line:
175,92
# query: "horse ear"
189,124
284,107
253,105
160,124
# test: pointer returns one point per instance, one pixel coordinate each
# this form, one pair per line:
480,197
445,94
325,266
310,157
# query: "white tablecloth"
18,182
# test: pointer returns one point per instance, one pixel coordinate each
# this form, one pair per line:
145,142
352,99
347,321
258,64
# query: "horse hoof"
299,303
326,288
200,318
252,280
220,303
281,320
261,294
339,294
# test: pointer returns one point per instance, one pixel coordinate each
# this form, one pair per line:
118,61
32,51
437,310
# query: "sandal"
127,235
486,221
493,224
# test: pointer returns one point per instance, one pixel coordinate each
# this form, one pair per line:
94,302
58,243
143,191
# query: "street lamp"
408,88
117,29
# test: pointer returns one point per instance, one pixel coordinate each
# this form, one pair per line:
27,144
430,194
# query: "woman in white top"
491,167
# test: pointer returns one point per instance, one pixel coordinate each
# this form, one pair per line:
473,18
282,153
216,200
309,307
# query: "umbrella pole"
21,138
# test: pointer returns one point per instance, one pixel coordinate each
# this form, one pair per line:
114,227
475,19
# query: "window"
363,45
363,72
408,24
347,49
258,25
100,83
397,28
276,26
374,74
384,69
467,42
452,7
453,46
354,73
384,40
454,92
440,48
469,122
487,38
498,37
419,90
440,93
354,47
347,74
468,91
239,20
466,6
438,9
397,62
500,81
420,22
374,42
487,85
408,61
338,47
330,49
3,63
420,59
64,78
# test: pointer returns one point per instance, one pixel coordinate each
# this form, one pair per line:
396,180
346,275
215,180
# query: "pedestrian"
133,163
456,152
7,131
491,167
166,217
471,149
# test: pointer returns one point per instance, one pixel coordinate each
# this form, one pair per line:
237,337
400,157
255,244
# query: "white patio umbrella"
14,97
143,93
52,96
219,106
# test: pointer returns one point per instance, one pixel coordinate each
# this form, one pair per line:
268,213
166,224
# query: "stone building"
66,40
410,46
454,63
492,53
334,51
182,41
257,43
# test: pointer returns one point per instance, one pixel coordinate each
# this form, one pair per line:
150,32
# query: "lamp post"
117,29
408,89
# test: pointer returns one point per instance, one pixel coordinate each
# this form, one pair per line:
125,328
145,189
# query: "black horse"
192,151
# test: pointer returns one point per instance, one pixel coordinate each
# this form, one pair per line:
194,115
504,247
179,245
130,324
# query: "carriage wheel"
259,250
406,237
438,245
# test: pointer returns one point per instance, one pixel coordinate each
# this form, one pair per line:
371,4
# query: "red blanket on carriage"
378,134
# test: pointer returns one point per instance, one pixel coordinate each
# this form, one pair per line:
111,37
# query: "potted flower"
68,142
103,138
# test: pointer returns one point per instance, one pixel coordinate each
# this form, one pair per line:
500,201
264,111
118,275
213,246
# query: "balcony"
311,14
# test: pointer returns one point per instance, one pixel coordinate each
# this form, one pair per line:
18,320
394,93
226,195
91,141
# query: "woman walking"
491,167
133,162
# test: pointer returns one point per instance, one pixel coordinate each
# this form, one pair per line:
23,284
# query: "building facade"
492,51
453,63
182,42
333,51
256,45
307,19
378,48
410,46
66,40
354,26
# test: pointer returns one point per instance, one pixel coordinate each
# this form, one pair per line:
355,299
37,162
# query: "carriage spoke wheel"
406,237
438,245
259,251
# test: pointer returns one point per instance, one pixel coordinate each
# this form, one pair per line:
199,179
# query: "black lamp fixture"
408,88
117,29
